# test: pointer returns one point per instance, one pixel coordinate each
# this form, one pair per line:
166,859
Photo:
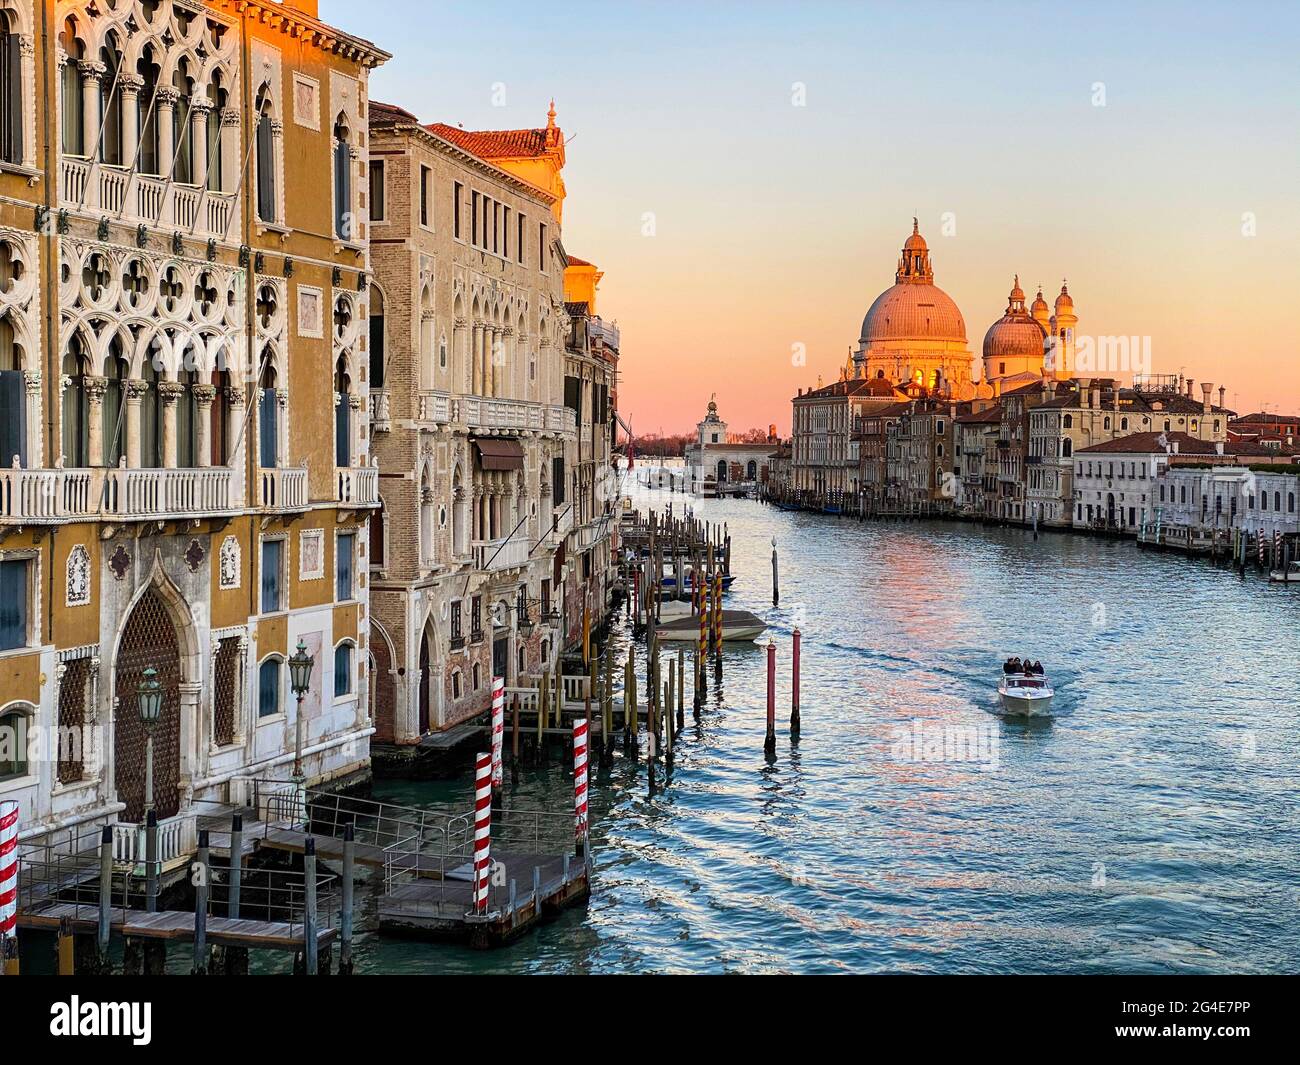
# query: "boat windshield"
1025,682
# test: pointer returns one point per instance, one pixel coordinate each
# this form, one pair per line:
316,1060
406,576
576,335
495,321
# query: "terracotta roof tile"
1151,443
494,143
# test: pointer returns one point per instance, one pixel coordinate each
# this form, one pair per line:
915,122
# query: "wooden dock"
174,925
436,906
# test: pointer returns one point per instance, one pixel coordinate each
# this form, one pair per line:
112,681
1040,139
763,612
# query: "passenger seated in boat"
1011,665
1028,668
1038,667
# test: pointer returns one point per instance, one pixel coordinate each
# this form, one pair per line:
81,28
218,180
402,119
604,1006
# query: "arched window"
1290,502
219,418
455,684
13,398
187,422
1106,424
70,91
268,687
342,670
212,134
343,220
116,372
478,676
1067,422
751,471
1277,501
110,104
182,171
1067,447
151,419
342,414
147,112
11,92
376,348
265,163
15,722
267,420
76,452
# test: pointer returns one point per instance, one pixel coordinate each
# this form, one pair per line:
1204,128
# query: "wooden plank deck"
452,737
176,925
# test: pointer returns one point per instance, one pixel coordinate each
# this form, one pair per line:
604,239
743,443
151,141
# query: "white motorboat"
1290,575
1025,694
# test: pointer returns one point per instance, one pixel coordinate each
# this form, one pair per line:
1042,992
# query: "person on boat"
1029,667
1038,667
1012,665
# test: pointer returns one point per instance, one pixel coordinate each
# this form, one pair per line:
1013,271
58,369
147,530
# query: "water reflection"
1149,827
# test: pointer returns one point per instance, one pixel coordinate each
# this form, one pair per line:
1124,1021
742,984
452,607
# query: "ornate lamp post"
300,666
149,697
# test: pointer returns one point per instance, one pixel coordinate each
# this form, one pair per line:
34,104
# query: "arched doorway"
148,639
383,689
1110,508
722,470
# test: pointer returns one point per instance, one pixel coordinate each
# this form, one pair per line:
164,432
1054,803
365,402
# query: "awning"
500,454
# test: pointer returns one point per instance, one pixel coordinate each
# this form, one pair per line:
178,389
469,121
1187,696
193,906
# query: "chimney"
1223,391
1206,389
1190,382
1095,392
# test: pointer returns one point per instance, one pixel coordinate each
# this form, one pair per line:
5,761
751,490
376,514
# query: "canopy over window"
500,454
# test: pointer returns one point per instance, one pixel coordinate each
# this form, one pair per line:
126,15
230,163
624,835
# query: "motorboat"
737,625
1290,575
1025,694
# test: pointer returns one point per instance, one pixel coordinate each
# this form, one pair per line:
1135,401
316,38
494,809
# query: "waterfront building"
1082,412
876,428
919,456
492,418
824,461
1114,480
718,459
975,440
183,237
1192,501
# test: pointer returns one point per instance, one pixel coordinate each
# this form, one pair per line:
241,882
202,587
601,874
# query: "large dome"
913,311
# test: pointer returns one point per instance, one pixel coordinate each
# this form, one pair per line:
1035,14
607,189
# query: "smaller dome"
1014,336
915,242
1039,306
1063,301
1017,293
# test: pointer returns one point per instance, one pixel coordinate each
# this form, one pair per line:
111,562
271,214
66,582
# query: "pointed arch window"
11,91
114,421
268,421
343,219
147,114
376,347
265,162
182,169
110,105
342,414
13,399
70,91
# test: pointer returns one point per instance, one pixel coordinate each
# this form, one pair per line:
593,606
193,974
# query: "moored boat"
1290,575
736,625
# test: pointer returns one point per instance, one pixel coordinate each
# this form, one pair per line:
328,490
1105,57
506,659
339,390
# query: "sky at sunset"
776,225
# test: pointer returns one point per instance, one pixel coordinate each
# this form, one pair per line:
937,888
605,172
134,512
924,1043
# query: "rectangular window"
505,232
546,595
266,426
476,618
272,576
376,190
496,226
557,479
426,185
473,217
225,691
519,240
343,561
457,632
13,603
541,246
458,193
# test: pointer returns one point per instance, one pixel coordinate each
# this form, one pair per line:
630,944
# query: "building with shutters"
492,383
183,244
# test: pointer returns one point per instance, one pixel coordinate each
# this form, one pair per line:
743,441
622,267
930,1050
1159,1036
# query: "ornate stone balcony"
357,486
435,407
282,489
177,841
563,523
504,553
160,204
562,420
52,497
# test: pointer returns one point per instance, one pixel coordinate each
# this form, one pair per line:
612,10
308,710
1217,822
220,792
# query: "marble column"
91,73
476,338
282,427
165,118
129,85
95,387
169,392
35,451
229,148
203,399
135,391
199,141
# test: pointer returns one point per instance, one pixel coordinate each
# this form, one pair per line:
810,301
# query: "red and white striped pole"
769,744
8,882
498,731
482,830
794,692
580,786
1259,546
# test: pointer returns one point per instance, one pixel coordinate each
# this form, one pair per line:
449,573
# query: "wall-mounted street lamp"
300,666
149,697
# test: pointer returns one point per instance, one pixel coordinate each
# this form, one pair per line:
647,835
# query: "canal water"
1151,827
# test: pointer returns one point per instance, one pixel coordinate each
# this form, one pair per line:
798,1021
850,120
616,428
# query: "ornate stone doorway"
148,639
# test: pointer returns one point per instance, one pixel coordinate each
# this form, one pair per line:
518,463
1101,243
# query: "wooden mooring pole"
310,959
794,690
201,870
769,744
345,917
